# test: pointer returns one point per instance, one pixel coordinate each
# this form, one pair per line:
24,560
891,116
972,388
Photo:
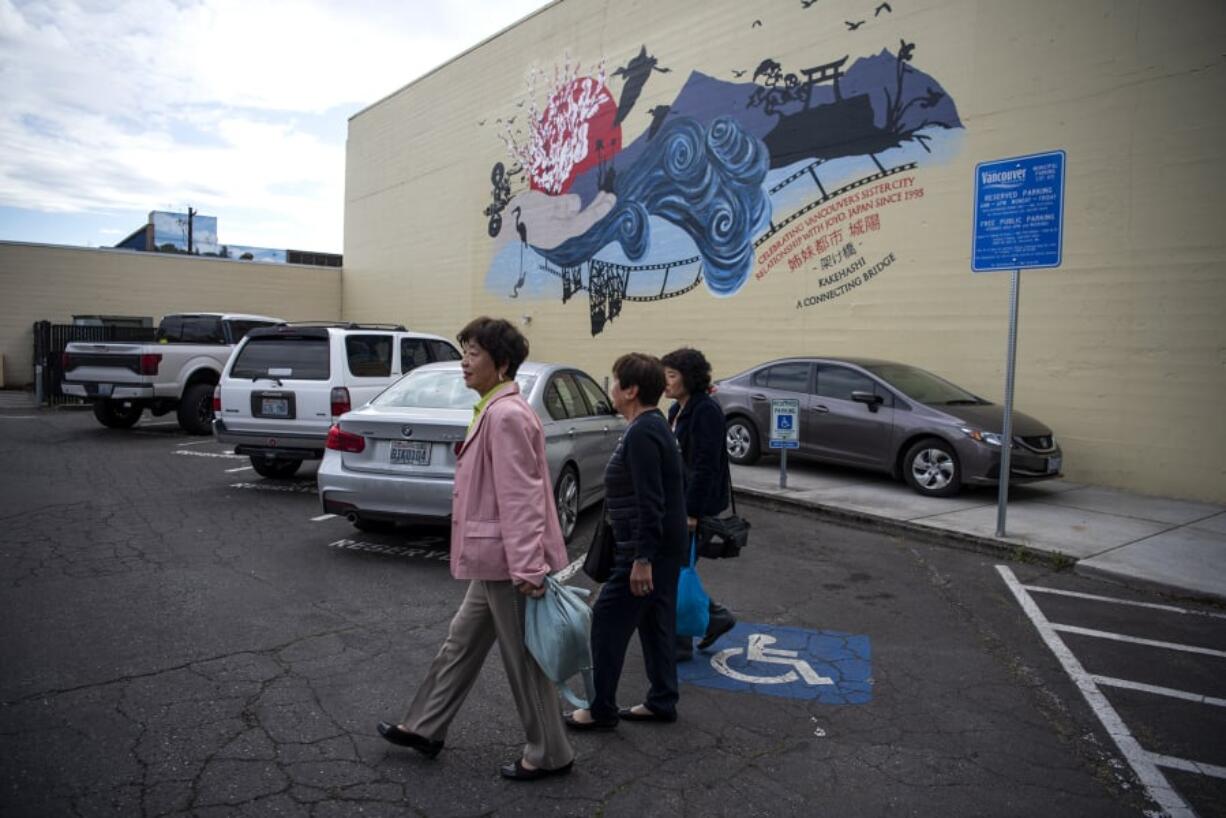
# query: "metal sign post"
785,432
1019,223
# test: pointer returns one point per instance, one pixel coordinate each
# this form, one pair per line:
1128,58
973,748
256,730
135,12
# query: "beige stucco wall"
1122,350
44,282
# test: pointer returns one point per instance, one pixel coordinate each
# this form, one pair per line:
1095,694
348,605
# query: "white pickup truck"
175,373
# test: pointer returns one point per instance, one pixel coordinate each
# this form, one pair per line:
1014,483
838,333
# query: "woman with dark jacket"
698,422
645,503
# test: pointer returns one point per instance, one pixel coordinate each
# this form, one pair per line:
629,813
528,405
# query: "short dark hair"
641,370
694,368
499,337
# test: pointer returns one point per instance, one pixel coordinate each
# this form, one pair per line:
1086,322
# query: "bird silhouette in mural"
657,118
853,26
756,24
481,122
510,120
883,7
522,230
807,3
635,74
519,104
736,73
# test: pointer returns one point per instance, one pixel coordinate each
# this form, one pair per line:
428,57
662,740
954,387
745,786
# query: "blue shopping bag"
693,604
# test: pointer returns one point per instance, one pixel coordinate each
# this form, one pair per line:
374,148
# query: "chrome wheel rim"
933,469
737,441
568,503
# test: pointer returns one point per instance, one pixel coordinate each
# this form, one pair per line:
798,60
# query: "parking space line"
1097,598
240,468
1141,761
1188,766
197,442
228,455
1136,640
298,488
1159,691
156,423
323,517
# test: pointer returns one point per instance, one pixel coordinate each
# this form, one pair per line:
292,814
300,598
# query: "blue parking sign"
792,663
1019,213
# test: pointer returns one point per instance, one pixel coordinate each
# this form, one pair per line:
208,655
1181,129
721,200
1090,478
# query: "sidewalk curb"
1014,552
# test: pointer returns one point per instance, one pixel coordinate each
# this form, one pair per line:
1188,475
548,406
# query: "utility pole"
191,214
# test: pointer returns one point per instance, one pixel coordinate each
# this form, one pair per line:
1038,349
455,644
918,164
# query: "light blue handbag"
558,633
693,604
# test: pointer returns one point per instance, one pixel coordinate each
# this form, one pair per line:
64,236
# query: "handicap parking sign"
785,421
792,663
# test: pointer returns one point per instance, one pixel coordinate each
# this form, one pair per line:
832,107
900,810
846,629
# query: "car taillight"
216,400
343,441
65,362
149,363
340,401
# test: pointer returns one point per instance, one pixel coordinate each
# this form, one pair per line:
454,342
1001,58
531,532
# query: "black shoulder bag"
721,538
598,564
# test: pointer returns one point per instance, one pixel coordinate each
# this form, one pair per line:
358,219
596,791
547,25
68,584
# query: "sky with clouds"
237,108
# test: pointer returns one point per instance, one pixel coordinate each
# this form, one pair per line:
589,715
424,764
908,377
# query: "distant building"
168,232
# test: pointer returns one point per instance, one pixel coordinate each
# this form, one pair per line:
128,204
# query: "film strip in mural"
811,170
607,284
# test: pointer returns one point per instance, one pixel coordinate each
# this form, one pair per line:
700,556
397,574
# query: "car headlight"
990,438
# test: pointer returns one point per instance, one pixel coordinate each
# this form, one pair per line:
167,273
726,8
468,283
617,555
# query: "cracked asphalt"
183,639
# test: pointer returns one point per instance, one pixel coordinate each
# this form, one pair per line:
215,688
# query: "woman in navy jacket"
698,422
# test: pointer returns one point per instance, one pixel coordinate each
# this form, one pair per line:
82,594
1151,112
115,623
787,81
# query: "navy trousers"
616,615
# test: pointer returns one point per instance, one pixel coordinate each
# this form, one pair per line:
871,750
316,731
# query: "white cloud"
152,101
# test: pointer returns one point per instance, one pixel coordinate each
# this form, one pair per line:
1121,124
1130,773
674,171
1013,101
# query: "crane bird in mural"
635,74
522,230
853,26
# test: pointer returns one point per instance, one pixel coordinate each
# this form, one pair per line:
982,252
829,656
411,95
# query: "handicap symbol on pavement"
793,663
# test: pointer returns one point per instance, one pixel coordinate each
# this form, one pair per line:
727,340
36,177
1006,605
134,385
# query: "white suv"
284,386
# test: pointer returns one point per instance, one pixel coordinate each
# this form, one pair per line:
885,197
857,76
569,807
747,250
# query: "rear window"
443,351
437,389
369,356
298,358
190,329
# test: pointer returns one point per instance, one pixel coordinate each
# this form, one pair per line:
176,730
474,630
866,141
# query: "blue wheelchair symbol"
785,421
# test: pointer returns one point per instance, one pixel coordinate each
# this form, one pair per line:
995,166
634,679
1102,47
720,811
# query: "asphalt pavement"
182,637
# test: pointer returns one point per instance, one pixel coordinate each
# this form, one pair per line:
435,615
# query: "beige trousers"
492,610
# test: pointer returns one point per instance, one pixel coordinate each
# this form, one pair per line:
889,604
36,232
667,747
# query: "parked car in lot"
285,385
394,460
888,417
175,373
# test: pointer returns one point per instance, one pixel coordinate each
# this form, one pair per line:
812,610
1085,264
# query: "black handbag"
598,564
722,538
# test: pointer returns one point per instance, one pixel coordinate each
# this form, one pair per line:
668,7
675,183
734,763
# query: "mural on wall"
783,168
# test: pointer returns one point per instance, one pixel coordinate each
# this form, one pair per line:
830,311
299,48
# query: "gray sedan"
888,417
394,459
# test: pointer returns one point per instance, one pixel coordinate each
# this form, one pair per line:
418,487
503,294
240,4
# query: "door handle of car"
606,429
820,408
571,431
757,397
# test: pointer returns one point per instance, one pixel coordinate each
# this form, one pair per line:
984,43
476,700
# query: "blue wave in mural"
705,180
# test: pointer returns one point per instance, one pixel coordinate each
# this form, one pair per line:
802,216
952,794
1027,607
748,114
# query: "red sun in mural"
576,132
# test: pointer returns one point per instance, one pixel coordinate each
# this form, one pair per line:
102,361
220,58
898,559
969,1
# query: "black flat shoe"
628,714
427,747
716,630
605,724
518,772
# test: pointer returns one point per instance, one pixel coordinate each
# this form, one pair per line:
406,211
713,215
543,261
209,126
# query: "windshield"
438,389
923,386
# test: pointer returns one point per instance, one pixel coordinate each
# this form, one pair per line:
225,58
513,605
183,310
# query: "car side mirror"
868,399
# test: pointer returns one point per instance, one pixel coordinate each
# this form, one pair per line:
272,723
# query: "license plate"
412,453
105,389
274,407
1053,465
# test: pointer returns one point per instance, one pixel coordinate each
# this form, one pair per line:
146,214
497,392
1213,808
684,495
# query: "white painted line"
1155,783
240,468
196,442
1151,605
155,423
322,517
298,488
1136,640
570,570
440,555
1159,691
212,454
1188,766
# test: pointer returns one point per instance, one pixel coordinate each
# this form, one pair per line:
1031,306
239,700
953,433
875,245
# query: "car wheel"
277,469
742,441
117,414
931,468
566,497
196,409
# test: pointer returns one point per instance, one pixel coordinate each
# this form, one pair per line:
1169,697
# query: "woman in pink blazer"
505,538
